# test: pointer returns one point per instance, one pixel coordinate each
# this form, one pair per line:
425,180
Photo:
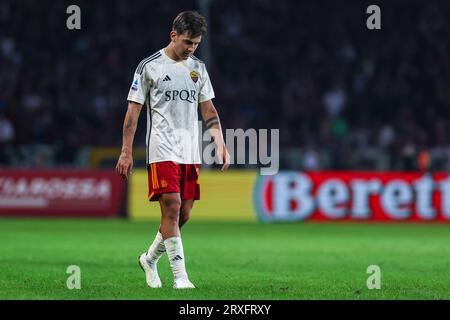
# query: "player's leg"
170,204
185,211
148,260
158,175
157,248
170,212
190,191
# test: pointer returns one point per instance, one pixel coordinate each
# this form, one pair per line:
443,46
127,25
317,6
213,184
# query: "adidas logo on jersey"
167,78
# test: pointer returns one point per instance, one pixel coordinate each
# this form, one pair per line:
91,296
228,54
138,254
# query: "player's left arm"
211,118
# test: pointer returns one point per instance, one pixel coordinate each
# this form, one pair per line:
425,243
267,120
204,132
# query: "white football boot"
183,283
151,274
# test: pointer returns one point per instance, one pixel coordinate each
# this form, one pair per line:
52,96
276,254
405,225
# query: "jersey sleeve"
139,88
206,89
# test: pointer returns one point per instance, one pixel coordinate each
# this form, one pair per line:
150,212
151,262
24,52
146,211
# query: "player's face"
184,45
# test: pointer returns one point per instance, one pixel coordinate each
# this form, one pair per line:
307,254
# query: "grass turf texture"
226,260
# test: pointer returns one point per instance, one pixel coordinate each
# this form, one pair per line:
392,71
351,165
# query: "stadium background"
345,99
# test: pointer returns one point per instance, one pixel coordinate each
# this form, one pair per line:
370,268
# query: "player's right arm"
125,163
136,99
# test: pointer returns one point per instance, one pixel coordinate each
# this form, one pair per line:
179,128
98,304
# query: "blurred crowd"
343,96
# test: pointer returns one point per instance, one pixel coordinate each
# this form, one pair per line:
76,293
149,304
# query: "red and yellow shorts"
169,176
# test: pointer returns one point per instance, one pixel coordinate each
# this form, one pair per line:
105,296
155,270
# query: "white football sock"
175,253
156,250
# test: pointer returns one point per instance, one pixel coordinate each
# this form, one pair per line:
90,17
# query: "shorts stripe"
156,176
153,176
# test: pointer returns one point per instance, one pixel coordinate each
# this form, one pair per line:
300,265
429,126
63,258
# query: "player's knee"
171,209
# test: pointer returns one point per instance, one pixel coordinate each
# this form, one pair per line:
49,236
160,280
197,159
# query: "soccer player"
173,84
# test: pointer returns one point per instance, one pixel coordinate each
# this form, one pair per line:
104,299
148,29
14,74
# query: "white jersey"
171,91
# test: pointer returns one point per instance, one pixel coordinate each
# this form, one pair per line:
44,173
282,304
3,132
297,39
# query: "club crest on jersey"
194,76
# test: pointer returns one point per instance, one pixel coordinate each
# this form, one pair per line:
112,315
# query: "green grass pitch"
226,260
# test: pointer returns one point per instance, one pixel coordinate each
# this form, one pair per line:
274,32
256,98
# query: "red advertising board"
51,193
353,196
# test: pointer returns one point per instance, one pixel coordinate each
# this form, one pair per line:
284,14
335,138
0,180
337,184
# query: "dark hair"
191,22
